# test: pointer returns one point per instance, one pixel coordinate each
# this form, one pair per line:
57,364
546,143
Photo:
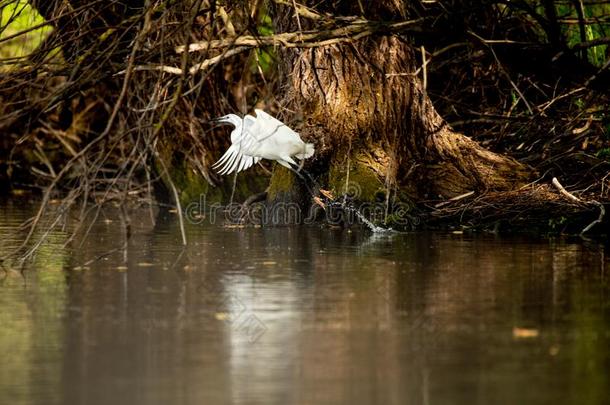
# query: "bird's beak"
220,120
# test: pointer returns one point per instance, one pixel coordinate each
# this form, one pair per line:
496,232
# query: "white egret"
261,137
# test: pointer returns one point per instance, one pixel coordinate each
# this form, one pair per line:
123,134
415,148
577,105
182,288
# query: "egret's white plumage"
261,137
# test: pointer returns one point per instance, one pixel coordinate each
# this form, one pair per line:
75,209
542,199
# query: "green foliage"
264,56
596,27
265,27
16,18
264,59
597,54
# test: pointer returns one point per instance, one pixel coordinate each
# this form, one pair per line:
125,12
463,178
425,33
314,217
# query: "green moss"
362,184
191,185
282,182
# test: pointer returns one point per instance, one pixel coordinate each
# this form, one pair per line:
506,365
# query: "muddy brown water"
301,315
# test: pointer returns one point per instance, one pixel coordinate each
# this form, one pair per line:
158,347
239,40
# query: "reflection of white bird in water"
263,137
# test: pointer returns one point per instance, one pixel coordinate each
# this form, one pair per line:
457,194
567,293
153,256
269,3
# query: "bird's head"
228,119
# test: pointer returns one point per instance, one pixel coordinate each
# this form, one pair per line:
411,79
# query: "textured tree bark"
364,106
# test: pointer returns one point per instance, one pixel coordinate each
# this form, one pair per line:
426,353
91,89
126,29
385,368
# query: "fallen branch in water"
602,213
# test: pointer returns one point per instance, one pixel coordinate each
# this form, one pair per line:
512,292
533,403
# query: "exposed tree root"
531,208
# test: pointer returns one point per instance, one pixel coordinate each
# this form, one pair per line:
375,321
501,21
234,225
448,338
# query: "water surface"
301,315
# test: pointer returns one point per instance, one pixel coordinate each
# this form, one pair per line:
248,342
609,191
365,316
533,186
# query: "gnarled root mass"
364,98
531,208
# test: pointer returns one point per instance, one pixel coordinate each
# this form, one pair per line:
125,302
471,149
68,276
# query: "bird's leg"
301,169
315,183
289,163
304,180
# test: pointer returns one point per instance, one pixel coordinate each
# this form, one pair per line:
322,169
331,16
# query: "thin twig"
307,39
424,69
504,72
564,192
602,213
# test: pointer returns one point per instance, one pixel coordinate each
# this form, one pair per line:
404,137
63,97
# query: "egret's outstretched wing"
248,121
238,156
267,117
241,162
231,164
234,162
263,115
266,126
258,137
227,159
271,128
245,146
246,162
234,153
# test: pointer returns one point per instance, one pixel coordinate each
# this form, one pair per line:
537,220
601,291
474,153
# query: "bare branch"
310,39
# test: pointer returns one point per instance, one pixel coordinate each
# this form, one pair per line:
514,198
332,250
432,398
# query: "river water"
300,315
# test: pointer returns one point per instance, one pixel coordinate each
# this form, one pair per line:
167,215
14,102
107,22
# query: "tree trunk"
364,105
